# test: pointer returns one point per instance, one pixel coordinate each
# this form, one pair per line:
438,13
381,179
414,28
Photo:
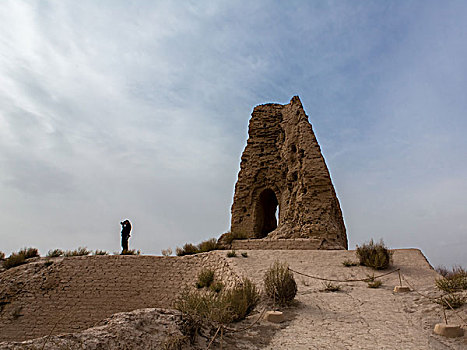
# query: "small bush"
374,255
453,300
131,252
2,255
222,308
15,259
216,287
331,287
245,254
348,263
203,247
241,300
54,253
166,252
231,254
81,251
188,249
207,246
205,278
442,270
452,281
375,284
199,308
279,283
29,253
100,252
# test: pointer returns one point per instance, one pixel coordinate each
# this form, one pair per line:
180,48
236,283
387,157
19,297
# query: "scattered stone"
274,316
400,289
448,330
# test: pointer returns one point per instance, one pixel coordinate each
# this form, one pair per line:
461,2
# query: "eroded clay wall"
77,293
282,166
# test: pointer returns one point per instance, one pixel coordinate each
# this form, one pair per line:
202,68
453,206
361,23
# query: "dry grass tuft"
54,253
81,251
231,254
205,278
219,308
279,283
454,300
20,258
349,263
375,255
331,287
203,247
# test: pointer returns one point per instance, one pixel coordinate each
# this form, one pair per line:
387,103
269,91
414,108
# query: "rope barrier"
401,277
347,280
435,300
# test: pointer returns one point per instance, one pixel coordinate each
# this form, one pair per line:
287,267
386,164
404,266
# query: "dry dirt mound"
139,329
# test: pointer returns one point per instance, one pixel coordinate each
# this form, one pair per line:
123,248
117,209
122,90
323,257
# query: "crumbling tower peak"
284,189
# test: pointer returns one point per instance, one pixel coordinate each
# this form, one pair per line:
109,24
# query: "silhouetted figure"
126,228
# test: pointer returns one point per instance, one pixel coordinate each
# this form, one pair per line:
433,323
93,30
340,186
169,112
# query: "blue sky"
139,110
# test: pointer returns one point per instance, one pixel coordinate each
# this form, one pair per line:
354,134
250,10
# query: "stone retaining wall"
283,244
76,293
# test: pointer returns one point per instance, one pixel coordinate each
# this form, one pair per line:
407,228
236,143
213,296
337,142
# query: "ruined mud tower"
284,189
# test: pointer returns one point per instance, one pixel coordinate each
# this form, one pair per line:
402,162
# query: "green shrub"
216,287
203,247
15,259
245,254
131,252
442,270
331,287
81,251
29,253
349,263
19,258
187,249
374,255
279,283
453,300
452,281
100,252
2,255
231,254
54,253
201,307
242,299
205,278
225,307
207,246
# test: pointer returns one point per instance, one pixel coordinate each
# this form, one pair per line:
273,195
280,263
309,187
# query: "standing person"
126,228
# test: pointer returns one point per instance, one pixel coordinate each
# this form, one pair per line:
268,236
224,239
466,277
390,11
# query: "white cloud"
111,110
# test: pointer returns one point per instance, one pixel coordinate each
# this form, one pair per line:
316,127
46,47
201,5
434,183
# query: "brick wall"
78,292
283,244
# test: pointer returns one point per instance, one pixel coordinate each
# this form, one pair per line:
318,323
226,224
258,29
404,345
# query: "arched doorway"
266,208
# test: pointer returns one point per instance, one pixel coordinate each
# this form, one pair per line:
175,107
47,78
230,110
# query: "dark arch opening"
266,213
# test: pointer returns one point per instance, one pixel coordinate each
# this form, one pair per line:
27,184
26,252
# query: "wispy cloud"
111,110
